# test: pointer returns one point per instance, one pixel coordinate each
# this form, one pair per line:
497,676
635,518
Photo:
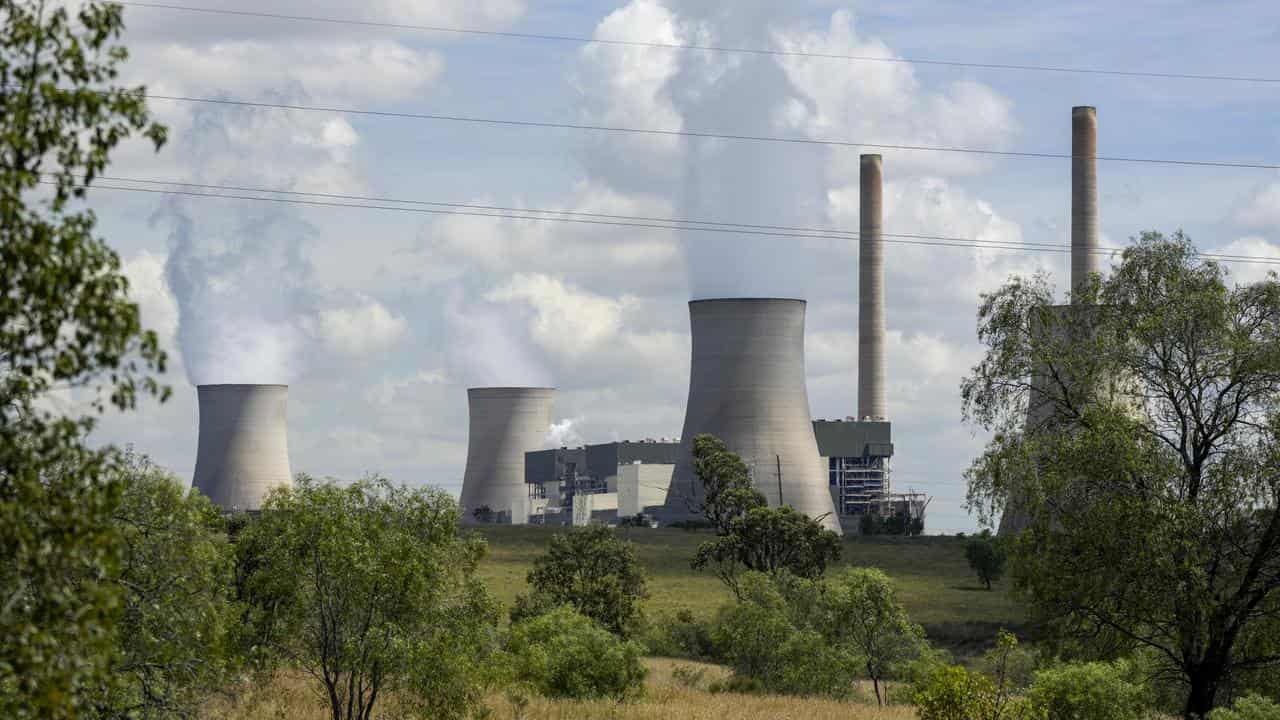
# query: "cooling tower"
871,397
506,422
244,447
747,387
1085,258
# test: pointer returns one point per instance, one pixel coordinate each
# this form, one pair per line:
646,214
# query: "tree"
594,571
65,322
987,557
860,611
370,588
175,581
749,534
1153,501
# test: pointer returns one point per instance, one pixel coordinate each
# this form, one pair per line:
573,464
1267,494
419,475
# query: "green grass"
933,580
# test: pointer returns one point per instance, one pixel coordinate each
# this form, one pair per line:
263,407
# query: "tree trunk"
1204,689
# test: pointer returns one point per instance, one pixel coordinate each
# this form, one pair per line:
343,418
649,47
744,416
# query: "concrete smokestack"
506,422
1084,195
747,387
243,448
871,397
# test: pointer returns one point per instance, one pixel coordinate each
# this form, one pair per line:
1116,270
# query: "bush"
1088,691
764,638
681,636
1250,707
987,557
593,570
563,653
954,693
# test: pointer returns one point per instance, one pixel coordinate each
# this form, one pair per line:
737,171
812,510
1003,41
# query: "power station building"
599,483
857,455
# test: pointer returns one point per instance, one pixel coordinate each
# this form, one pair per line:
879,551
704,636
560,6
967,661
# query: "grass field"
293,697
933,580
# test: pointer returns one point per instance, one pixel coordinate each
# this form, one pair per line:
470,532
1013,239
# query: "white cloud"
565,320
150,290
1250,272
1262,208
360,331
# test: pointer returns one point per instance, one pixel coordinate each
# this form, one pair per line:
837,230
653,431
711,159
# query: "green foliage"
726,489
860,613
987,557
594,571
749,534
175,583
1250,707
954,693
563,653
1148,480
370,588
65,321
1088,691
680,636
897,524
1010,665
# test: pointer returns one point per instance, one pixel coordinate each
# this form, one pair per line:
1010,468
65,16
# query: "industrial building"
858,456
243,446
599,483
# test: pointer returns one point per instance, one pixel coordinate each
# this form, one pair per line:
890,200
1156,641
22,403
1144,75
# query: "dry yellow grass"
292,697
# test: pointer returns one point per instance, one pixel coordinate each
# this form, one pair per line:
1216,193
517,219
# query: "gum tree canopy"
1150,483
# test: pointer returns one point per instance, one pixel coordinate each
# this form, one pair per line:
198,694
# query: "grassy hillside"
933,579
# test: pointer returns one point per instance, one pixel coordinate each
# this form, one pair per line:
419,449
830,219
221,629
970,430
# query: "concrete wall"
642,487
243,448
747,387
505,423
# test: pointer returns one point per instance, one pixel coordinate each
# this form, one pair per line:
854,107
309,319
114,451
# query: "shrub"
1250,707
1088,691
681,636
987,557
593,570
954,693
764,638
563,653
860,613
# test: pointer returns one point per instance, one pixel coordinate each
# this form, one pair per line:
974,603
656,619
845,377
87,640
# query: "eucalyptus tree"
1151,486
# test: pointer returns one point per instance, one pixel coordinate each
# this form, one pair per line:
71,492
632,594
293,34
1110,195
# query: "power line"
707,48
646,221
661,224
702,134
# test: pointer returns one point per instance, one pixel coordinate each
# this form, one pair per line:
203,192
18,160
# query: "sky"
379,320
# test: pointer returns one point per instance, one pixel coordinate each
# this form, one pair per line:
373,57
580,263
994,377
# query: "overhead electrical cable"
703,48
704,134
658,224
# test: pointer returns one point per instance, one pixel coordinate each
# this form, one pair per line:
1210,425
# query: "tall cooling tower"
747,387
244,447
506,422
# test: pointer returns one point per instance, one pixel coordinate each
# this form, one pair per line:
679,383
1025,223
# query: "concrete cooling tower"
244,447
506,422
747,387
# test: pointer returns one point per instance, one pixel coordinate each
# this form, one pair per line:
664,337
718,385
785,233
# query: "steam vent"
747,387
243,447
506,422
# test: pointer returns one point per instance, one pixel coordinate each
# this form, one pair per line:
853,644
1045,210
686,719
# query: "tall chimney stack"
1084,195
871,401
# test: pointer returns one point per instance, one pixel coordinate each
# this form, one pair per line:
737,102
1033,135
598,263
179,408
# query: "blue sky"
380,320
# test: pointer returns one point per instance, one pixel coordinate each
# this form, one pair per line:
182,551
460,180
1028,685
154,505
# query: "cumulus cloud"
565,320
1255,246
361,329
1261,209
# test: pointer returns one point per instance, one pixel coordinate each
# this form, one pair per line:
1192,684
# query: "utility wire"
517,214
703,134
707,48
641,220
